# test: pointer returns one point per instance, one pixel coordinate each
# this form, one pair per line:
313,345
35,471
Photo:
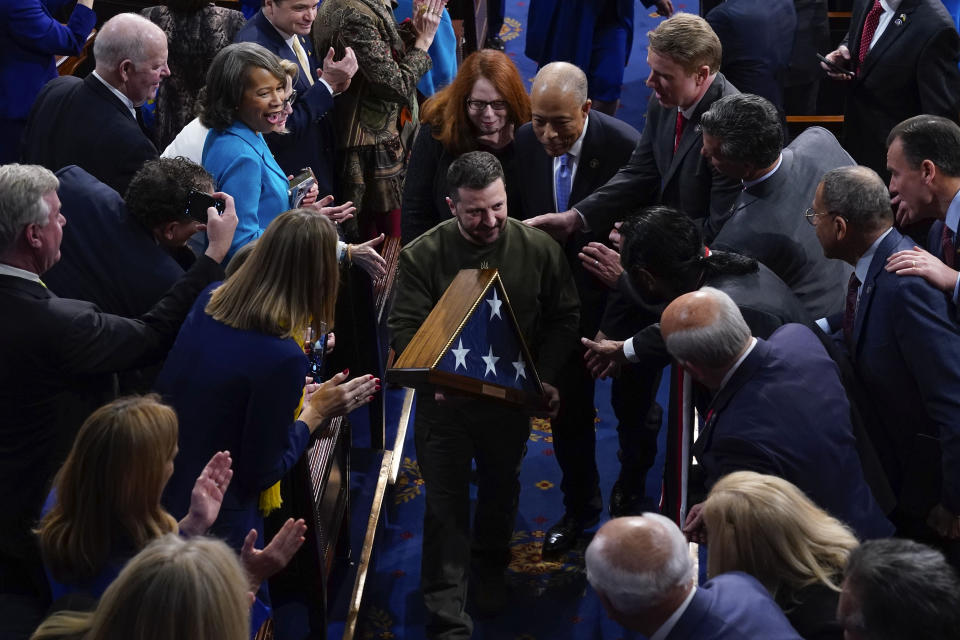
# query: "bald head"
704,329
559,106
639,563
131,54
562,78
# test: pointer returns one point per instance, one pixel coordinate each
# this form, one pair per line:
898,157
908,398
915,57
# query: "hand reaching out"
339,73
337,214
367,258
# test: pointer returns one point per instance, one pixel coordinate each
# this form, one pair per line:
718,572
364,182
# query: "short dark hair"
473,170
904,589
158,192
932,138
227,80
859,196
748,128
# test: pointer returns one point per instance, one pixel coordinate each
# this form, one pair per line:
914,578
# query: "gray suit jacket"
655,174
767,223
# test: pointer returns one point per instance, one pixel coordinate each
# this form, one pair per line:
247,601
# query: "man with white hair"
778,407
95,123
641,569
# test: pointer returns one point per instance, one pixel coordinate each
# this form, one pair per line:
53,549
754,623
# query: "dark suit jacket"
757,38
767,223
785,413
58,364
107,257
935,241
732,606
906,344
607,146
684,180
912,69
82,122
311,141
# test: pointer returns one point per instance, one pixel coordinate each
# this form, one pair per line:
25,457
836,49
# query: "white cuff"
628,351
824,325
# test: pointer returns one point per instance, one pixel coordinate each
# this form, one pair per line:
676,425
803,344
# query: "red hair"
446,111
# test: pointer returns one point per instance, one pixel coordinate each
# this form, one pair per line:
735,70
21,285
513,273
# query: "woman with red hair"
480,110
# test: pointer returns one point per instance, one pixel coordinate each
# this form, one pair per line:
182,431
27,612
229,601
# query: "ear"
32,235
166,230
586,106
452,205
928,171
840,227
702,74
126,68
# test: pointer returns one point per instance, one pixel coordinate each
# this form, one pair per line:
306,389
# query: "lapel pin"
594,163
901,20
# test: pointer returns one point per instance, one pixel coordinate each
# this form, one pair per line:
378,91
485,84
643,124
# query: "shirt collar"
863,264
749,183
578,145
7,270
674,618
890,5
123,97
953,213
736,365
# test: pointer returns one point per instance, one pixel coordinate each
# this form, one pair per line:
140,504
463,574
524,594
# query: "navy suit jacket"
107,257
757,38
607,146
655,174
906,346
732,606
935,241
82,122
311,142
784,412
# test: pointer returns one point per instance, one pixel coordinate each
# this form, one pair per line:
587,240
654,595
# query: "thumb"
248,542
376,242
589,344
329,56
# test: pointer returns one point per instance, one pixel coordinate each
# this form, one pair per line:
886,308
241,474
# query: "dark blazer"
785,413
82,122
684,180
935,241
108,257
732,606
58,364
311,141
757,38
906,344
912,69
767,223
607,146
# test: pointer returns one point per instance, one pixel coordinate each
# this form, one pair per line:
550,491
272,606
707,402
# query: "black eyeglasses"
481,105
288,102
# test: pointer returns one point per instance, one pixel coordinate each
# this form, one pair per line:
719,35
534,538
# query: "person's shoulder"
531,237
615,126
430,241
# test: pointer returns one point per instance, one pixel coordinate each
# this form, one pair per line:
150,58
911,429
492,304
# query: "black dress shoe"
562,537
626,502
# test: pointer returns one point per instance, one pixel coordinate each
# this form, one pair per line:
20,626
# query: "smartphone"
300,185
198,202
835,67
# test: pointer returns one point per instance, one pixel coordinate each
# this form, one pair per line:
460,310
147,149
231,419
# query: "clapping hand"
260,564
207,495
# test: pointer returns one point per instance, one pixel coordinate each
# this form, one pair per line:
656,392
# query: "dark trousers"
639,417
575,439
447,439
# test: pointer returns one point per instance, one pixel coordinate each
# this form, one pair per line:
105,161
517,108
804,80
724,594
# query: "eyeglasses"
481,105
810,214
288,102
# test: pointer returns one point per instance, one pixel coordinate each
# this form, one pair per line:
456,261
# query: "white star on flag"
491,361
461,355
521,367
495,305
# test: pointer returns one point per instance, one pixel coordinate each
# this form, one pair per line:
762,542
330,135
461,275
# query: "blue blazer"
784,412
243,166
564,30
732,606
29,38
235,390
311,141
906,346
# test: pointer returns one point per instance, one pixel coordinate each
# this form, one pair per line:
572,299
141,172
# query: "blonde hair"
108,490
689,41
173,589
289,281
767,527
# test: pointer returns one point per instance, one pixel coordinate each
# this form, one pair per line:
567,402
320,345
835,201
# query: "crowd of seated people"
809,290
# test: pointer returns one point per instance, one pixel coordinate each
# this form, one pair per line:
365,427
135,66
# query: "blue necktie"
563,183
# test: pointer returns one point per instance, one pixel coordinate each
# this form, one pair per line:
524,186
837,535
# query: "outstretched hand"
261,564
337,214
558,225
207,495
603,357
367,258
602,262
338,73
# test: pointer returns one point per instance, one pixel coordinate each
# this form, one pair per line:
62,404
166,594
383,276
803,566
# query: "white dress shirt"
889,10
123,98
7,270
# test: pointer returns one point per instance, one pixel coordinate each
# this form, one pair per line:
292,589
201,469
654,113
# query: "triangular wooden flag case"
471,344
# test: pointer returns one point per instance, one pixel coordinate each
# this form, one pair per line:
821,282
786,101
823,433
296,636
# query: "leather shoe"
628,502
562,537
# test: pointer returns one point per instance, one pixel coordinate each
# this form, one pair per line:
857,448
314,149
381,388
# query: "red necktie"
869,29
850,311
678,132
948,249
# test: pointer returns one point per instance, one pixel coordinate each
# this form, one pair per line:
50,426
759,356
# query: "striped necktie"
564,182
302,57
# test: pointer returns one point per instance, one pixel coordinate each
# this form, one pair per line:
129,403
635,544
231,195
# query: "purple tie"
850,310
948,249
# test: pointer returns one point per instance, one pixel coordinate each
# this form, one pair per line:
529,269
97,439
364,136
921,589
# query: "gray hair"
748,128
22,187
717,344
123,37
904,590
632,591
227,80
932,138
569,77
859,196
473,170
